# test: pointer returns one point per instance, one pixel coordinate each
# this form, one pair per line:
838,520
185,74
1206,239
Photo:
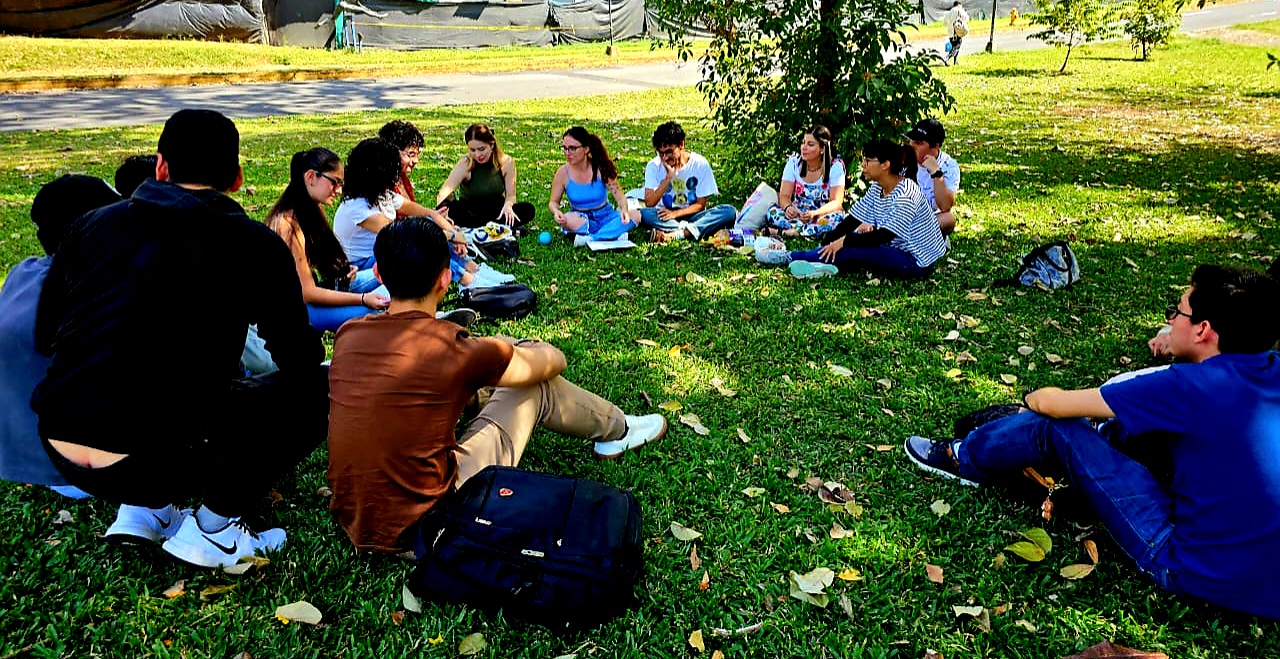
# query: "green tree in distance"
1150,23
1073,22
774,67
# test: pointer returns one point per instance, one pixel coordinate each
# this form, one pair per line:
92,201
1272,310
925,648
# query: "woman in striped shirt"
891,230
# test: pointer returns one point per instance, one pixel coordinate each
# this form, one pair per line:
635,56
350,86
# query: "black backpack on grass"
561,552
505,302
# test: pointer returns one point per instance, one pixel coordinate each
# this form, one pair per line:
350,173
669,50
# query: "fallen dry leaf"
647,342
940,507
953,373
695,563
951,336
682,532
1008,378
969,611
975,296
753,492
1025,350
324,491
247,564
300,611
840,370
742,434
811,586
705,582
439,638
672,406
1027,550
934,573
1025,625
214,592
696,642
64,517
846,606
724,391
793,472
932,654
717,655
1091,548
695,423
780,508
397,617
472,644
966,356
886,383
849,574
409,601
1052,358
1076,571
178,589
837,532
695,278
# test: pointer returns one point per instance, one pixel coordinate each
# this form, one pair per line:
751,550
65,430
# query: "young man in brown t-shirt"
399,383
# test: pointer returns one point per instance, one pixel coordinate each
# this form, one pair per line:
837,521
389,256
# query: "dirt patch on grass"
1175,126
1243,37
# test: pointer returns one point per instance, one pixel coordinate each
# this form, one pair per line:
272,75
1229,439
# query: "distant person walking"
957,21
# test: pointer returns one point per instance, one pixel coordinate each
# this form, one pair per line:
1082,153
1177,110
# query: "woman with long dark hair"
315,178
485,184
811,197
892,230
587,178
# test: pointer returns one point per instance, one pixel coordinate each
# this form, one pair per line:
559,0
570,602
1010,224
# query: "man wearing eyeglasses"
1210,531
677,184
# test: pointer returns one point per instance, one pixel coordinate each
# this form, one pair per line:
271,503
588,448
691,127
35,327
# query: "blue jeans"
329,319
702,224
886,260
602,224
1131,503
364,282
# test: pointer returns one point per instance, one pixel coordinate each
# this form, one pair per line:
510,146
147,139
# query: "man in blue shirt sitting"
1212,530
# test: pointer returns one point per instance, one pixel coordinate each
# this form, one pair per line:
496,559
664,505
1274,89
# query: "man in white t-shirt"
957,21
677,184
939,174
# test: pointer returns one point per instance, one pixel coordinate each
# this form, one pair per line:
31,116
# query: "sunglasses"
337,182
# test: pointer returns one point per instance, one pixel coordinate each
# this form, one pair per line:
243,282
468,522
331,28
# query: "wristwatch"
937,173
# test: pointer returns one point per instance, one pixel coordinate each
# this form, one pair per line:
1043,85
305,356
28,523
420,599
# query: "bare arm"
311,294
531,363
1062,404
557,192
652,196
698,205
620,198
835,203
450,184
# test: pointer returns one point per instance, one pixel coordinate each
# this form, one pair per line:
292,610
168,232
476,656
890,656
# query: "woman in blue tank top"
587,178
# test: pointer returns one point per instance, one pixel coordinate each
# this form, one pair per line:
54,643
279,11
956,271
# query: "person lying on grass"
890,231
1212,529
402,379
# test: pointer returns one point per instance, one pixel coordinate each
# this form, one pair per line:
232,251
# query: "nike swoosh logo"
225,549
164,524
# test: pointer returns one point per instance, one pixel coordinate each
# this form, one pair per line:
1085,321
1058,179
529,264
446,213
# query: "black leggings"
472,213
266,426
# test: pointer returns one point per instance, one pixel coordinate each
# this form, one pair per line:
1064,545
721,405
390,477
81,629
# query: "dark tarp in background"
409,24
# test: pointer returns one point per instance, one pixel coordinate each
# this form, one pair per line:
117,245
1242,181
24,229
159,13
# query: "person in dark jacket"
144,314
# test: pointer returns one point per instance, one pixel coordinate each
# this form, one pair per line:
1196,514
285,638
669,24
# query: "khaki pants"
500,432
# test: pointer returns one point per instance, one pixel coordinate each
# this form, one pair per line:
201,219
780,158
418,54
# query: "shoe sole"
191,555
813,271
132,540
661,433
934,470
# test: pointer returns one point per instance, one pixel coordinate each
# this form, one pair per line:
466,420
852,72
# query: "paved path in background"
126,107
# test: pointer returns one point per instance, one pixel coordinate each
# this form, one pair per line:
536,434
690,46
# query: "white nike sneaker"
137,524
640,431
581,240
490,273
224,547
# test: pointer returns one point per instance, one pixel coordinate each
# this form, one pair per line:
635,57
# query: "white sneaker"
492,274
771,251
137,525
581,240
640,431
224,547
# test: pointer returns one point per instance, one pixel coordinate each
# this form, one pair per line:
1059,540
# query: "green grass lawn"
1148,168
26,58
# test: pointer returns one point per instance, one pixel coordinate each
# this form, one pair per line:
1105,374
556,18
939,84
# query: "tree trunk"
1070,45
825,76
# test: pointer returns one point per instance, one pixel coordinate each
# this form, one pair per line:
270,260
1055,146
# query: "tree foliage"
1150,23
1073,22
774,67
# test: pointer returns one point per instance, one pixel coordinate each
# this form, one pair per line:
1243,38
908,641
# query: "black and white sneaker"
936,457
224,547
136,525
461,316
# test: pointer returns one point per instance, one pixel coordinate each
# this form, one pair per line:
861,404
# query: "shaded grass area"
1149,168
27,58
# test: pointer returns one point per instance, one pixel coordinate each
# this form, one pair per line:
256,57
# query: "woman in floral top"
811,197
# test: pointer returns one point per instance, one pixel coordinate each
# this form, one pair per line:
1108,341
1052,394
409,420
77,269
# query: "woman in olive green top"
485,181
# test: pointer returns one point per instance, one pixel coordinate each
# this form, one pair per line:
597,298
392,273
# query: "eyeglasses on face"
570,148
411,154
337,182
1172,311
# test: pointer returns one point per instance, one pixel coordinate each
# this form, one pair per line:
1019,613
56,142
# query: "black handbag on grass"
508,301
561,552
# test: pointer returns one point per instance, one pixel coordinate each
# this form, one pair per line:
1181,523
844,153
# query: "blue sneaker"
812,270
936,457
